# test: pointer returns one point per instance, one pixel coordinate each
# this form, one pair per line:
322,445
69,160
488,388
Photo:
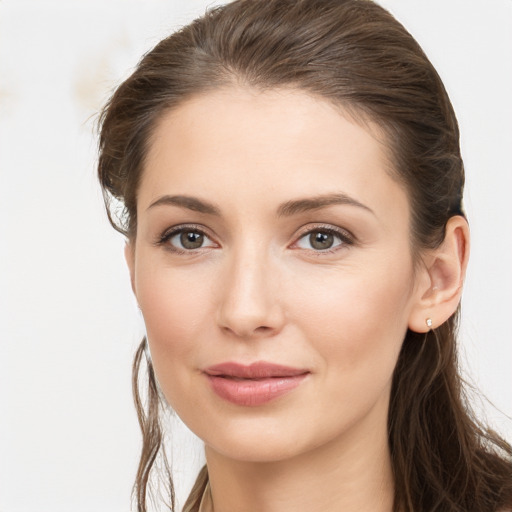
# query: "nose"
250,305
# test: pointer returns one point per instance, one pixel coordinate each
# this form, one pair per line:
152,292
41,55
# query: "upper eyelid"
347,239
304,230
182,227
309,228
168,233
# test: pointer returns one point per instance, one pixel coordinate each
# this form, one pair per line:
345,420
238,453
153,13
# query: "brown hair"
356,55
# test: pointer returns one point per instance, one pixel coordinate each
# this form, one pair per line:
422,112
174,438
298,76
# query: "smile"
255,384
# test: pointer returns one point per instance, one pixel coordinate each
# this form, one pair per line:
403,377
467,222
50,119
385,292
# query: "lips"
255,384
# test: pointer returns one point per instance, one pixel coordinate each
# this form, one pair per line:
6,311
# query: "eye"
186,239
323,239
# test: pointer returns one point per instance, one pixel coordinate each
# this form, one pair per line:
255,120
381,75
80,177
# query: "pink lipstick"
255,384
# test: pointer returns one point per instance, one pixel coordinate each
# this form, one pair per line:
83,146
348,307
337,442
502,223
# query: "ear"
440,286
129,256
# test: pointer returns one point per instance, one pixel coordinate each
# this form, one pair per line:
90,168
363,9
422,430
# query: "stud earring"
428,321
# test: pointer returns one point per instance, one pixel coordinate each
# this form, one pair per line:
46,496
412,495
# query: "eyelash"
164,239
344,236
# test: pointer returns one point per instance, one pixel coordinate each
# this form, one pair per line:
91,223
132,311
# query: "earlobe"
445,267
129,256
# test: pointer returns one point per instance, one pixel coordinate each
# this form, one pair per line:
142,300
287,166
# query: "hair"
354,54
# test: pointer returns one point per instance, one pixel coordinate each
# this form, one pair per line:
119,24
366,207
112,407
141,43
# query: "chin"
264,440
264,449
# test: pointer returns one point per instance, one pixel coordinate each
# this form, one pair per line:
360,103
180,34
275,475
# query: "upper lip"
257,370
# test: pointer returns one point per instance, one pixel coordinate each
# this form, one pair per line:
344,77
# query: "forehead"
240,141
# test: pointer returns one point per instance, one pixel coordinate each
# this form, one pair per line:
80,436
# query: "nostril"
246,331
263,329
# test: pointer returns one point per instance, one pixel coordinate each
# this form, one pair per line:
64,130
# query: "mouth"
255,384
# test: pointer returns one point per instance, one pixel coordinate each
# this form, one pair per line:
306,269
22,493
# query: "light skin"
298,253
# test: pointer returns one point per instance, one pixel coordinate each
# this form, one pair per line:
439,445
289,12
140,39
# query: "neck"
351,473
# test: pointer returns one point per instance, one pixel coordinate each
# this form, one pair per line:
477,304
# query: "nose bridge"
249,299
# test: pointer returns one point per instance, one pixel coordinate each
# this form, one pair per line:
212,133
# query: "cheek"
176,307
357,330
358,322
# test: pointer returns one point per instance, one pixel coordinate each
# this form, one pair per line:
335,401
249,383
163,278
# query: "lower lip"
253,392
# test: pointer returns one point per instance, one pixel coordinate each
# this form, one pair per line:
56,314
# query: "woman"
291,188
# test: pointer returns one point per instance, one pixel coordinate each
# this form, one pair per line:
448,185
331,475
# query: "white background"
69,438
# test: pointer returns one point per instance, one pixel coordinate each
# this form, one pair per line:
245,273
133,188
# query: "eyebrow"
188,202
286,209
313,203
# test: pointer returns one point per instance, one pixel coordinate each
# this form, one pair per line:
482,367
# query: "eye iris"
321,240
191,239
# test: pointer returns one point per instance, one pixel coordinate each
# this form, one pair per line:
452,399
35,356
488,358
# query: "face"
273,268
